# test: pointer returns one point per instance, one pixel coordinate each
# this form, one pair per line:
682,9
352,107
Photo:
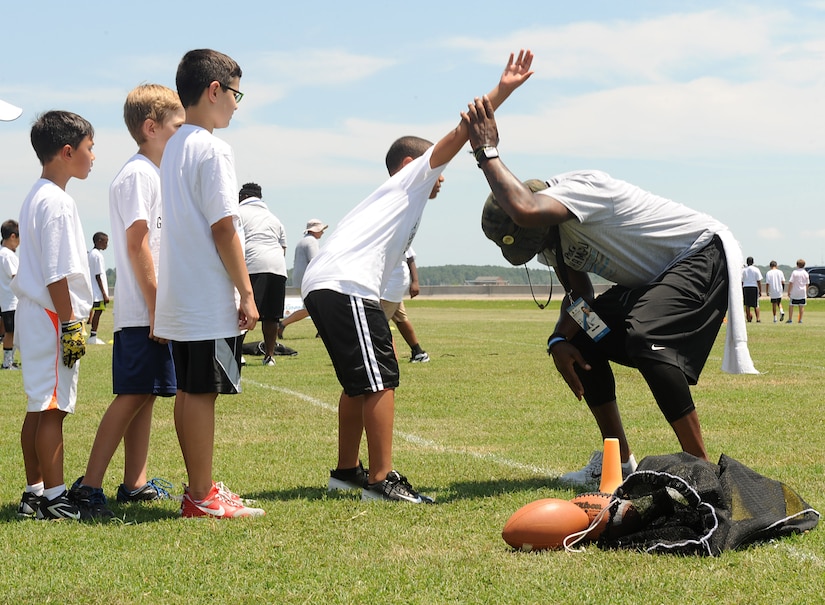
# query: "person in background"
264,253
305,251
751,288
774,287
798,290
8,301
97,266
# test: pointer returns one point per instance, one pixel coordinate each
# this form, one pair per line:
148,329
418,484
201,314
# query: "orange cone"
611,466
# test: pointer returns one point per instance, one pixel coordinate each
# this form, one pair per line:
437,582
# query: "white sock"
36,489
53,492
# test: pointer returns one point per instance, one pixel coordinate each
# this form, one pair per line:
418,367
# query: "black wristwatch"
485,153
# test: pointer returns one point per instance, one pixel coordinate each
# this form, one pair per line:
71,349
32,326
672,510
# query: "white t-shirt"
134,196
798,284
751,276
622,232
8,269
196,298
776,282
398,284
370,241
97,266
52,247
264,238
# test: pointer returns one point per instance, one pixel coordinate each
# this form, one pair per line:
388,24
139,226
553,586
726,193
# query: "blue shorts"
141,365
357,337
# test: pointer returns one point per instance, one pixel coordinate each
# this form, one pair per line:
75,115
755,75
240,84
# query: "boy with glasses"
201,252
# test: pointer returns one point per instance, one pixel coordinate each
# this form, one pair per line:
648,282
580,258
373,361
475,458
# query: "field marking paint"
415,439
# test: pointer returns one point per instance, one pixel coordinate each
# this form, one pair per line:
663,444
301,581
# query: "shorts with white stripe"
357,336
209,366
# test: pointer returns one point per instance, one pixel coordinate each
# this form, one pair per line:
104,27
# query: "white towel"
737,357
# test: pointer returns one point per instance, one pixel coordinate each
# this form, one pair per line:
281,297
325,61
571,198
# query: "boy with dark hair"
342,288
201,251
100,285
142,367
9,262
54,296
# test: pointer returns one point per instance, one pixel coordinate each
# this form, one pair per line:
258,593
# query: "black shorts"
208,366
750,294
8,321
269,290
357,336
674,320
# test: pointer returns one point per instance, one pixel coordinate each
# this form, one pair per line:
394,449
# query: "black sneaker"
154,489
29,504
91,502
345,479
282,350
58,509
394,487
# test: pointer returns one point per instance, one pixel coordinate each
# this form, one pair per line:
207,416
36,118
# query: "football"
592,503
544,524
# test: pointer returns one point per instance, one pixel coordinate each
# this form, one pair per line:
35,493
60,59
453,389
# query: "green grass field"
486,427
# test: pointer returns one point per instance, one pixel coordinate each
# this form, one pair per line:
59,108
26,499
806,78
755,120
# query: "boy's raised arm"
516,72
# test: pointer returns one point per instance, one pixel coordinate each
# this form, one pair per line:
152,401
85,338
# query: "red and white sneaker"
218,503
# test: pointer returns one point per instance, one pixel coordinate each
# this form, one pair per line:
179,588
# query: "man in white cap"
305,251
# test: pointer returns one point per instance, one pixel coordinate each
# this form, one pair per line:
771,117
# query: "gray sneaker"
421,357
396,488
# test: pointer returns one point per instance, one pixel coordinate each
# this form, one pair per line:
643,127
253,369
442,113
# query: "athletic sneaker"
591,474
154,489
29,504
395,487
90,501
58,509
219,503
268,361
345,479
421,357
283,350
782,316
95,340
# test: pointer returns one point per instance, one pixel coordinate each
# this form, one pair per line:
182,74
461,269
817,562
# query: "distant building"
487,280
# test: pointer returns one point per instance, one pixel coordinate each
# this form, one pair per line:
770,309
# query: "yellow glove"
72,341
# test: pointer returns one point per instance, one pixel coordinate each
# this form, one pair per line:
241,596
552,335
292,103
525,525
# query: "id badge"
587,319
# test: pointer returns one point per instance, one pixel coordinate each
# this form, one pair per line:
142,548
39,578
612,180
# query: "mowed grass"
486,427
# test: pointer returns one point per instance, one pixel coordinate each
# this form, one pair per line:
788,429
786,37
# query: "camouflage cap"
518,244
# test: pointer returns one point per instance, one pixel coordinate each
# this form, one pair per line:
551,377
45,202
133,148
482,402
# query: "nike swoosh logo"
216,512
656,348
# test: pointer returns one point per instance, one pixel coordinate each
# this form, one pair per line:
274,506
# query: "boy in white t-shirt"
54,295
142,367
342,287
201,251
9,262
100,285
798,290
774,286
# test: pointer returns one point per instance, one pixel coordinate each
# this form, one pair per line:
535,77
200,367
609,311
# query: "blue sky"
717,105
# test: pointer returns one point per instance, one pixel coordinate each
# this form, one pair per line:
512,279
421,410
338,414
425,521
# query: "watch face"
490,152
